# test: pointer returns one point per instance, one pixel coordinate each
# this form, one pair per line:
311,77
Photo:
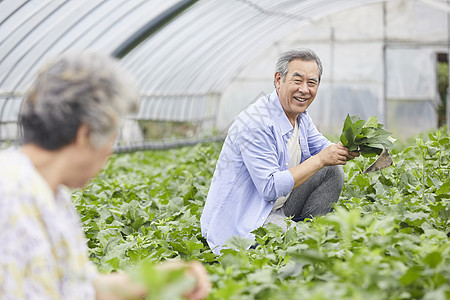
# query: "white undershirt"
295,151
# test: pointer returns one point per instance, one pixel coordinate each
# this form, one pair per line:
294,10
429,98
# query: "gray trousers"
314,197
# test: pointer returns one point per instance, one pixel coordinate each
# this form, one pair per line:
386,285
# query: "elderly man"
274,162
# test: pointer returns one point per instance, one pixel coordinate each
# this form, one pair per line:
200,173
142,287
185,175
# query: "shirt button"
286,164
271,202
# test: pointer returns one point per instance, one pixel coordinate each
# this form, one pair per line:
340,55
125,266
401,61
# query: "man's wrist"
317,161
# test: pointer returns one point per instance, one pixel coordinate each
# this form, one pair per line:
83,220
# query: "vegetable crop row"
388,237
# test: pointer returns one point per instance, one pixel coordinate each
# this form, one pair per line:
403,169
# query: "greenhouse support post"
382,105
447,115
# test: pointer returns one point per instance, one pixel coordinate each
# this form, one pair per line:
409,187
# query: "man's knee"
336,173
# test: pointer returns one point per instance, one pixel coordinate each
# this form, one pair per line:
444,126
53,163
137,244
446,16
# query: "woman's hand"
118,286
203,286
195,269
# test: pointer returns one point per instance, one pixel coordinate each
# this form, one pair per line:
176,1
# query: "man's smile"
299,99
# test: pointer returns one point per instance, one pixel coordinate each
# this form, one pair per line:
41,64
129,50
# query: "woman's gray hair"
302,54
75,89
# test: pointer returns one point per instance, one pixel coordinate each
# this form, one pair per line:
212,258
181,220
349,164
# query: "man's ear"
277,79
82,139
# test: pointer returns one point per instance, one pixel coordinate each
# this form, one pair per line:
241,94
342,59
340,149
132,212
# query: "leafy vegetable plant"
368,137
387,238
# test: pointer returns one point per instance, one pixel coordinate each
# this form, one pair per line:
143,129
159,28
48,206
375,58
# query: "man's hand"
335,154
352,155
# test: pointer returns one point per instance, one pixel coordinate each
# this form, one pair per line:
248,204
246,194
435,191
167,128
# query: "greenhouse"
380,58
198,64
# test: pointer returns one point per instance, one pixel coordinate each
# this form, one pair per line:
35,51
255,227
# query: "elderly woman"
70,119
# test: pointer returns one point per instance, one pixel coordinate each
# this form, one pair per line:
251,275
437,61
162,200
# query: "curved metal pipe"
151,27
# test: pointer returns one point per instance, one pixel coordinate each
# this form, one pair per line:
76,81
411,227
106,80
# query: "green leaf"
411,275
263,276
444,141
433,259
348,135
432,150
260,232
239,242
230,288
371,122
291,269
443,189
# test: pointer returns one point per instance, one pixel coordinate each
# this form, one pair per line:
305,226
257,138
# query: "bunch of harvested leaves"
367,137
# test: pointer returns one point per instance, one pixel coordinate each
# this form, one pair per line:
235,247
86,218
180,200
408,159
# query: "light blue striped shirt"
252,170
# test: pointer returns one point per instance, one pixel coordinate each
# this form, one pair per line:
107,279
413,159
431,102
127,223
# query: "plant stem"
423,177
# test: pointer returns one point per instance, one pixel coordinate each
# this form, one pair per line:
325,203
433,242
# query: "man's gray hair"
302,54
75,89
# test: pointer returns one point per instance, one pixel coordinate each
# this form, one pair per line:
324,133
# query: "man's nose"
303,88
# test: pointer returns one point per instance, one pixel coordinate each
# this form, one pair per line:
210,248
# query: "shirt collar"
278,114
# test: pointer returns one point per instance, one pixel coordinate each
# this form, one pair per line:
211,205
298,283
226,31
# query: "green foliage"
388,237
368,137
147,205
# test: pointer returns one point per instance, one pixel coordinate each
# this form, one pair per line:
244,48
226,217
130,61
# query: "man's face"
299,88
